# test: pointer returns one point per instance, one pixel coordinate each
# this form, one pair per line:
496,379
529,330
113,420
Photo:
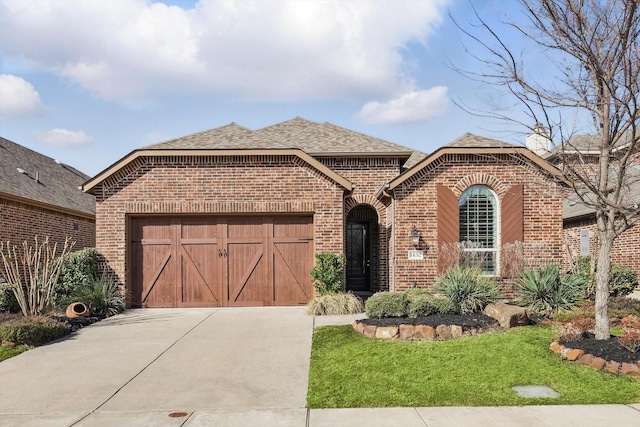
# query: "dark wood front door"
358,256
218,262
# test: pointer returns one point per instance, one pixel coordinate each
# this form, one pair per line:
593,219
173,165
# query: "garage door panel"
201,285
214,261
246,271
291,273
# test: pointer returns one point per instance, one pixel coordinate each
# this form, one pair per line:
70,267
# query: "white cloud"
18,97
64,138
415,106
129,51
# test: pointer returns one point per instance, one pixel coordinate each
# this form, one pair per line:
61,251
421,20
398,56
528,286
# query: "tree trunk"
606,238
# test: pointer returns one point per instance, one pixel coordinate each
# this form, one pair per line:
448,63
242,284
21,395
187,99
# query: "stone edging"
598,363
415,332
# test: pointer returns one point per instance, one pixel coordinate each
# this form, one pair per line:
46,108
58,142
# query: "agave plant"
102,296
545,291
468,289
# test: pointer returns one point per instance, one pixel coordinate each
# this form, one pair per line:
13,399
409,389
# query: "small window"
479,228
584,242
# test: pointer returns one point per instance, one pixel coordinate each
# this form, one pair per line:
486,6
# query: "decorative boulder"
508,315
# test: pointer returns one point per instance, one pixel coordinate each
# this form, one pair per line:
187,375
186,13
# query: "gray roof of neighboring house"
316,139
586,145
57,184
574,208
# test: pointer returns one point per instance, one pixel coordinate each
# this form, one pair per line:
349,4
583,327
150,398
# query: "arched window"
478,224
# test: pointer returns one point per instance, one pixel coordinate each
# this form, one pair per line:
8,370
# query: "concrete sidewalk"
222,367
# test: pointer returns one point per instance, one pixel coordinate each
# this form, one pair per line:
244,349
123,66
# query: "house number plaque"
416,254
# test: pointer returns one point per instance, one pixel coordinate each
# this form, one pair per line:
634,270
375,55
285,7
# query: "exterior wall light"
415,237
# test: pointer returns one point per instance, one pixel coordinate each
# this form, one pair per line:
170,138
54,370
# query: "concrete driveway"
170,367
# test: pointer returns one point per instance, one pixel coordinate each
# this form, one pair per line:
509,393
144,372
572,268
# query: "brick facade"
214,185
22,222
416,205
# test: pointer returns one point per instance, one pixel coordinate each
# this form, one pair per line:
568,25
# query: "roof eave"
549,168
88,186
48,206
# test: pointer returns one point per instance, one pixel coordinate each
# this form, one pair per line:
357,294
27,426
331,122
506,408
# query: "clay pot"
77,309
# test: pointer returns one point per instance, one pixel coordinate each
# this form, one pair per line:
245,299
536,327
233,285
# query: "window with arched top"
478,228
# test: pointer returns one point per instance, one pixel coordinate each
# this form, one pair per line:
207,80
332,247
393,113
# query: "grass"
349,370
7,352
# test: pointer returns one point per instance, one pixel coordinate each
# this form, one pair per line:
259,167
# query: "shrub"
8,301
102,297
545,291
467,288
32,330
335,304
328,273
387,304
32,271
622,280
79,268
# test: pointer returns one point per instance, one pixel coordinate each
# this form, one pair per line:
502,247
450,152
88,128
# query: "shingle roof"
229,137
320,139
469,140
57,184
587,145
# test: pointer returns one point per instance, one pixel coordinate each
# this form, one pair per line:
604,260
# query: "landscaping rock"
386,332
612,367
370,331
444,332
8,344
407,332
424,332
575,354
358,326
456,331
509,316
630,369
555,347
586,359
598,363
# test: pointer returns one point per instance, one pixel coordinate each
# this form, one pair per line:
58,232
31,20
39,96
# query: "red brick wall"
21,222
368,175
214,185
416,205
625,251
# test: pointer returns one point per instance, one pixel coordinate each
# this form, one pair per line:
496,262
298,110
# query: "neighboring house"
581,151
233,217
42,197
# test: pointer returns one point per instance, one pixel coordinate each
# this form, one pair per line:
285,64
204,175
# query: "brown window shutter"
448,218
512,217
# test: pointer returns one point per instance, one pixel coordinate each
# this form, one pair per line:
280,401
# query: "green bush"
545,291
387,304
422,305
335,304
79,269
102,297
328,273
622,280
468,289
8,301
32,331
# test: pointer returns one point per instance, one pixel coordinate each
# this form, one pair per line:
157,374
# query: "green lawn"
349,370
7,352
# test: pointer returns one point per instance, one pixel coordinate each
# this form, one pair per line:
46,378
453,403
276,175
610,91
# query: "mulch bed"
607,349
467,321
75,323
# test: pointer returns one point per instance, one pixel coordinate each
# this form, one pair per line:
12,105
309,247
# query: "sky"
87,82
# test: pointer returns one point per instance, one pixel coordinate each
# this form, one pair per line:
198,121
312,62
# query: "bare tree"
591,58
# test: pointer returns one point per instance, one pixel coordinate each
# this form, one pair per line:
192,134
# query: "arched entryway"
362,249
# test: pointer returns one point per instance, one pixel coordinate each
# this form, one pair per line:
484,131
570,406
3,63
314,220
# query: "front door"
358,256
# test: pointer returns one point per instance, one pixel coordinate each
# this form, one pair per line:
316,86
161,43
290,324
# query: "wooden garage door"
217,262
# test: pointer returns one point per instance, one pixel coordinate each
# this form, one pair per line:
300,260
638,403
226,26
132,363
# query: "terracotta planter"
77,309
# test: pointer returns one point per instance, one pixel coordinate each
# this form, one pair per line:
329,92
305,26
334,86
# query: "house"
233,216
580,227
40,196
